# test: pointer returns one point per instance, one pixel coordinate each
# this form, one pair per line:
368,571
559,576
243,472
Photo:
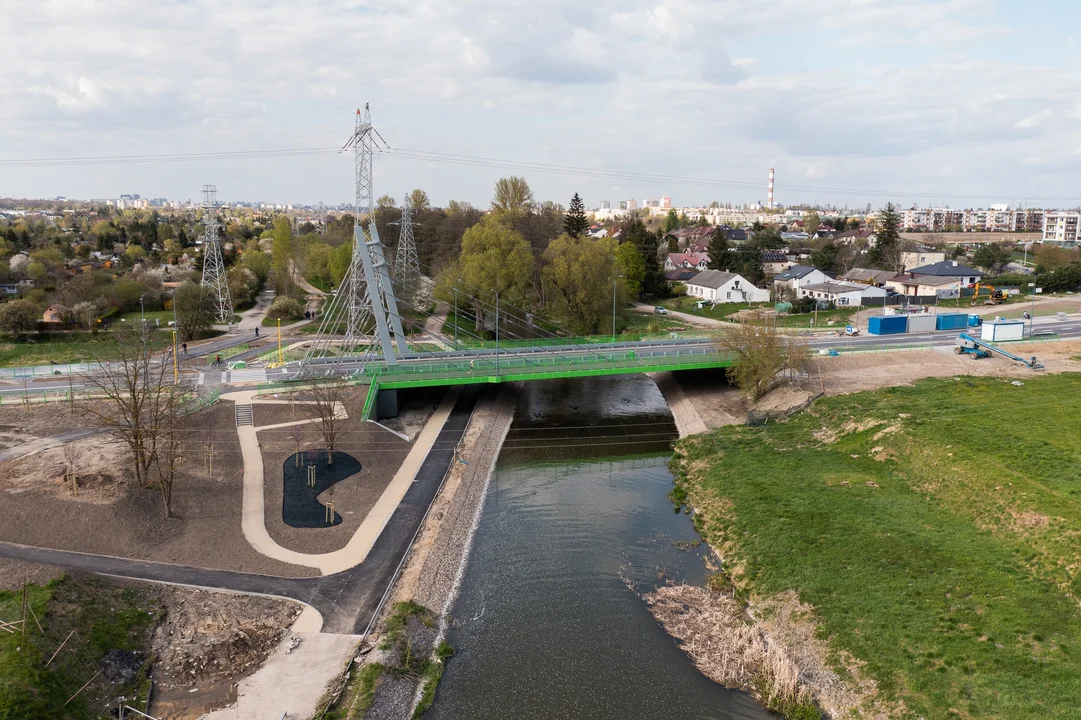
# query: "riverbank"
402,661
923,585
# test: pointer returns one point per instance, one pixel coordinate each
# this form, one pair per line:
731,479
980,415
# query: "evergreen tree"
574,222
720,257
653,282
887,250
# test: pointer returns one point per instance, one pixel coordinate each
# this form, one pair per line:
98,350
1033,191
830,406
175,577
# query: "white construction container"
921,323
1002,330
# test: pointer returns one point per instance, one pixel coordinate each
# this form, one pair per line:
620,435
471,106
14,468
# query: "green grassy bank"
55,669
935,529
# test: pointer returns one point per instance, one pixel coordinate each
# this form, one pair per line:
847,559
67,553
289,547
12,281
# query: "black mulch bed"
300,506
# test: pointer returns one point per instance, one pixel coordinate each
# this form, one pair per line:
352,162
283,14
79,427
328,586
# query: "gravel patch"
393,698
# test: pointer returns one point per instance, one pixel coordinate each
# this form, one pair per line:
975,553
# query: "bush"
286,308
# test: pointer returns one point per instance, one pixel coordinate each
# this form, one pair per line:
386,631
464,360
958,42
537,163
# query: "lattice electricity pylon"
406,265
213,265
366,292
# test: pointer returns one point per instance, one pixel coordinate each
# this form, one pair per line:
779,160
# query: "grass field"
73,348
103,617
933,528
725,311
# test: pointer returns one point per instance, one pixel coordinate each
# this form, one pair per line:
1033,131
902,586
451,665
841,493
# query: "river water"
547,625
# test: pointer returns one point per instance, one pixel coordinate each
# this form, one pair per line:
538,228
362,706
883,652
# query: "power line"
498,163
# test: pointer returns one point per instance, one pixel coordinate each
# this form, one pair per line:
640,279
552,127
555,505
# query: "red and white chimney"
769,193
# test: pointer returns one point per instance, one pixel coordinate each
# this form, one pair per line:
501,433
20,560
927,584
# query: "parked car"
660,310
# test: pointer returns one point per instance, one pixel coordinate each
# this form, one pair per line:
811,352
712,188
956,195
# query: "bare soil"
380,454
99,471
720,404
16,573
204,532
207,640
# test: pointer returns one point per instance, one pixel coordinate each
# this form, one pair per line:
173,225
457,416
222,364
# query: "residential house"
868,276
921,256
911,285
855,236
9,290
56,314
775,262
798,275
842,294
949,268
725,287
696,261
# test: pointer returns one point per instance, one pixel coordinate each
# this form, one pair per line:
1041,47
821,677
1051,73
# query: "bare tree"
326,397
761,355
72,456
137,403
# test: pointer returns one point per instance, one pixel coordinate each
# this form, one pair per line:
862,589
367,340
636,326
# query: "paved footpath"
347,601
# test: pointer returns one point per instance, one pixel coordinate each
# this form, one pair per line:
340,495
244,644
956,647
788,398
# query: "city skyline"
605,95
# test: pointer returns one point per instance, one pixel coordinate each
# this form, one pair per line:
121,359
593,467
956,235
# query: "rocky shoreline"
414,622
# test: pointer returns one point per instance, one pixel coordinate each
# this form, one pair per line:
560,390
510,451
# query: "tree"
512,195
671,221
574,222
720,257
384,203
760,355
135,253
887,250
992,257
283,256
196,310
634,231
495,260
826,257
85,313
418,200
327,396
811,223
1049,257
18,317
141,408
582,275
285,308
632,268
338,263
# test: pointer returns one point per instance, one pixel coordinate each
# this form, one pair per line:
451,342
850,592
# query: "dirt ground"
129,521
15,573
719,403
208,641
380,454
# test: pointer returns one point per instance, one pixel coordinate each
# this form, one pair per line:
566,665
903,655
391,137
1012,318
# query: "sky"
927,102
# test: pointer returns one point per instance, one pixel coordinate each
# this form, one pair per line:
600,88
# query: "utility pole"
456,313
213,264
497,334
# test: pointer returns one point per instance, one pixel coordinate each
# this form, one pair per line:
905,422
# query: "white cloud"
882,93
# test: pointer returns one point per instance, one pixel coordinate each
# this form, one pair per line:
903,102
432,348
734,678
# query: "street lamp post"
614,280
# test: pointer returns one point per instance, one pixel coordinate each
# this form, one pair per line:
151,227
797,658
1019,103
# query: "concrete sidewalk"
253,518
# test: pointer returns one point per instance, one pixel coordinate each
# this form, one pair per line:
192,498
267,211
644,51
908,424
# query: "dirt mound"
99,471
207,637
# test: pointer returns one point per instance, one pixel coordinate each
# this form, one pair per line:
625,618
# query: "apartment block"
1061,228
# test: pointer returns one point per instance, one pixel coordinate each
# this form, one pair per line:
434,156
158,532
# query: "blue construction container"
887,325
952,321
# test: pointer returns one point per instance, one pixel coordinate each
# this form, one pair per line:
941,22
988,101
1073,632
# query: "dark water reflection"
546,626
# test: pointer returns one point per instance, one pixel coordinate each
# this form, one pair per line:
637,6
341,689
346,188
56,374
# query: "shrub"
286,308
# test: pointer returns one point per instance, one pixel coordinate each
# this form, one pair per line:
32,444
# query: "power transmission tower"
213,264
366,292
406,264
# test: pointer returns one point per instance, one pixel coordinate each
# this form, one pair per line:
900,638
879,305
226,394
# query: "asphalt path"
348,600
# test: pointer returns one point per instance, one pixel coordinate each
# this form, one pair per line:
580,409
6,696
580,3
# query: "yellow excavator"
995,297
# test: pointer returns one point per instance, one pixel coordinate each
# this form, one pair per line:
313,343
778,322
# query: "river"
547,625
